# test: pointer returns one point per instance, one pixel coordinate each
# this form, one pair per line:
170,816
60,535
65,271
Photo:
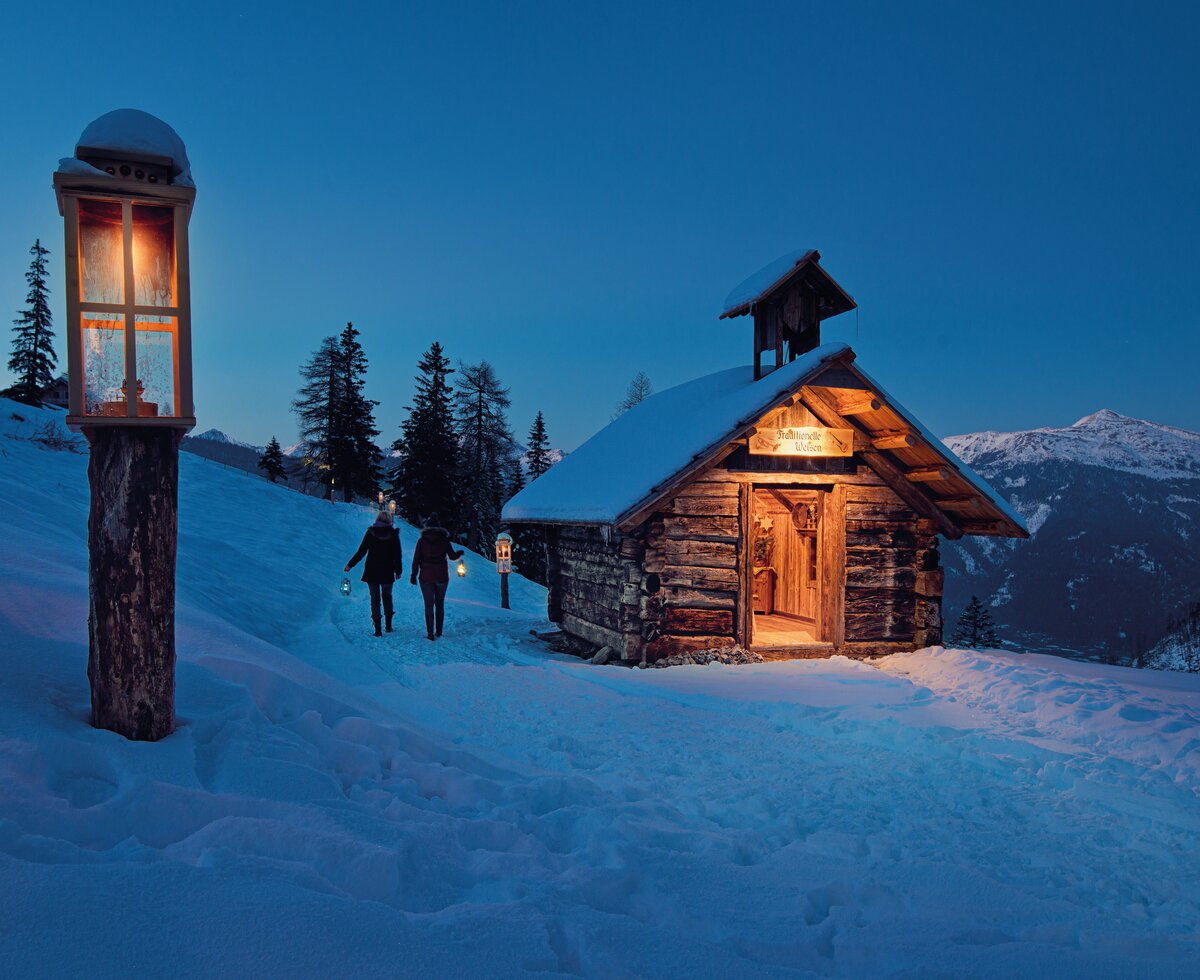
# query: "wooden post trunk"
132,527
504,590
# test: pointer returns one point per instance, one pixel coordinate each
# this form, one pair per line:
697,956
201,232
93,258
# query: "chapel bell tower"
788,300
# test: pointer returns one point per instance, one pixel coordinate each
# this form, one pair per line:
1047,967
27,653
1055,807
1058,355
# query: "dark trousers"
434,594
380,590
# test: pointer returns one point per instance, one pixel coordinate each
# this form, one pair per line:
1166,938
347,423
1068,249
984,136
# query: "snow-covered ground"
339,805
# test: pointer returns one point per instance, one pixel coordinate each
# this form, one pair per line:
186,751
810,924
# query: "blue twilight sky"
569,190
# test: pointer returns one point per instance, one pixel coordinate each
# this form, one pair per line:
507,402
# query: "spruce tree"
975,629
337,420
271,462
487,449
358,457
316,414
424,478
33,359
537,455
638,391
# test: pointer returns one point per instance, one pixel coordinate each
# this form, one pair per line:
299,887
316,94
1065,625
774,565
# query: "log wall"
692,570
887,548
679,580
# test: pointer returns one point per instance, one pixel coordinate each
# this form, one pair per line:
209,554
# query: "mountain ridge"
1112,504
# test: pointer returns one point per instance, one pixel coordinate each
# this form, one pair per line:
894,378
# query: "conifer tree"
487,448
358,457
975,629
337,420
424,477
271,462
537,455
638,391
33,359
316,414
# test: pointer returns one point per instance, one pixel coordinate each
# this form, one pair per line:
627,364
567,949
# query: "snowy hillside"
333,804
1179,649
1114,507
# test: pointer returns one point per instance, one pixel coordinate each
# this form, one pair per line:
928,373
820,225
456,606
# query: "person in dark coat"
433,571
385,564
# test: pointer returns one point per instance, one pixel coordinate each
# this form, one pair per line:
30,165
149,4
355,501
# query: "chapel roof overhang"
622,474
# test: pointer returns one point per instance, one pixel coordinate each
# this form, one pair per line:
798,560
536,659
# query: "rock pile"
717,655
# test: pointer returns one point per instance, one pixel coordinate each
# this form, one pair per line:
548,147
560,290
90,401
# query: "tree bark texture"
132,530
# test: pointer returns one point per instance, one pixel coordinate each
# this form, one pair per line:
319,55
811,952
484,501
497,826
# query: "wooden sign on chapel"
802,440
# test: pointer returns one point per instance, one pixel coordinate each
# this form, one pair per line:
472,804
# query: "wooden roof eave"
952,525
880,461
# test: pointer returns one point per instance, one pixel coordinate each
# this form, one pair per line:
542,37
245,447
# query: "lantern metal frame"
71,189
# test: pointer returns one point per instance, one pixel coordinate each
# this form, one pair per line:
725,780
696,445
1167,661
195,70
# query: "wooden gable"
884,438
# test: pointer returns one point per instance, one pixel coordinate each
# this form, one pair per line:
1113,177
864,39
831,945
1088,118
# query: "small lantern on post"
126,198
392,507
504,543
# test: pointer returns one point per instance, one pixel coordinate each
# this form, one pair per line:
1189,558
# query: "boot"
378,631
387,622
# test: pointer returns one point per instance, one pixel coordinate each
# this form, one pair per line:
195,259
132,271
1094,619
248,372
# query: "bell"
346,586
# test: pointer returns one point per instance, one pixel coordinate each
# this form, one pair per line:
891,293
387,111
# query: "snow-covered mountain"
1104,438
555,456
1113,504
216,435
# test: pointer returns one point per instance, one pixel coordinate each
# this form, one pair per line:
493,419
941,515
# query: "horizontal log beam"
806,478
898,441
984,527
959,505
929,474
857,404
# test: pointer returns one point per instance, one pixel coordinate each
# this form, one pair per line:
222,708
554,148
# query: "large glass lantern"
504,544
126,199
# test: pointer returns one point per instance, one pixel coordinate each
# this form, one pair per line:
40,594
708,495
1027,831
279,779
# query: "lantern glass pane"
153,255
101,264
156,366
103,364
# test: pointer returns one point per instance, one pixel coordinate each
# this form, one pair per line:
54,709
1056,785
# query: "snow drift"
336,805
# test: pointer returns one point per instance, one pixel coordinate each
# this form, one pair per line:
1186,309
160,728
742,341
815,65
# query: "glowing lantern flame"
462,569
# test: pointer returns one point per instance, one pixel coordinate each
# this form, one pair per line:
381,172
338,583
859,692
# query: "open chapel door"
787,584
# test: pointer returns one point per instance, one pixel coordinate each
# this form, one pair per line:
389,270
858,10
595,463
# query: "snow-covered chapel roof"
631,462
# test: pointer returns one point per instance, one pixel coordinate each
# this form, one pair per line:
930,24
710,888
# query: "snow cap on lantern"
130,144
126,198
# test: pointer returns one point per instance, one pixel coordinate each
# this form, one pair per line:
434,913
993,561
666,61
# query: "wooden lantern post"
504,564
126,199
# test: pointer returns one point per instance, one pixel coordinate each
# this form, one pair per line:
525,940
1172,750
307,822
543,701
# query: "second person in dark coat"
432,569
